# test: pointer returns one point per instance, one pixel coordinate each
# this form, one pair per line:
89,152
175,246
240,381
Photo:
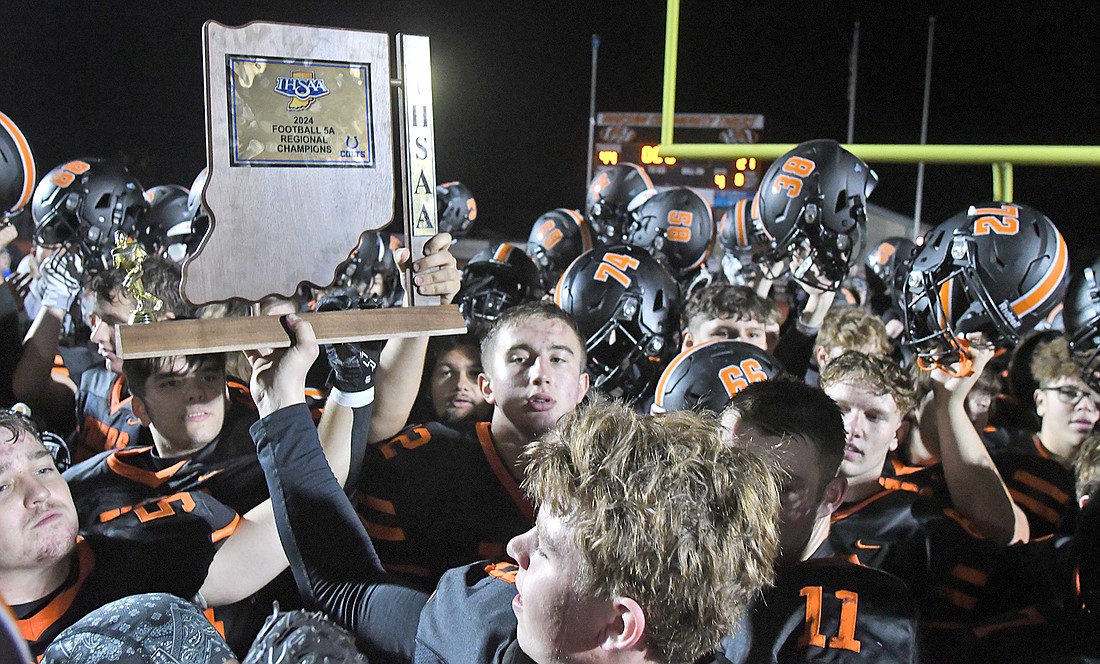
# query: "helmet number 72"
1004,220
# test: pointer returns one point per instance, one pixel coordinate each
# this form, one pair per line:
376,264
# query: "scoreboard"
633,138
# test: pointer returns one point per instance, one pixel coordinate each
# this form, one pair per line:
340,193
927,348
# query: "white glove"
59,280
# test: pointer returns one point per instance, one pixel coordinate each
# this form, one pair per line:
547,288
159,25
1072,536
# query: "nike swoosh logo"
869,547
131,421
202,478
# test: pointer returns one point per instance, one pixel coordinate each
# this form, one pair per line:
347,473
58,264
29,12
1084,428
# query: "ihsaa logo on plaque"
302,88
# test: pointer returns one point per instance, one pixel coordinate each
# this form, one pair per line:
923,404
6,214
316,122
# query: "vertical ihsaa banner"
419,127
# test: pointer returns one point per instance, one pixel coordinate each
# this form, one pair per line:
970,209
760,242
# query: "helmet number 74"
616,266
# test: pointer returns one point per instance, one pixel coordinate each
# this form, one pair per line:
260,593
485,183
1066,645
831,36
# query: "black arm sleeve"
330,553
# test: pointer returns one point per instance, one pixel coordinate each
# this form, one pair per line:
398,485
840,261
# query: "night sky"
511,81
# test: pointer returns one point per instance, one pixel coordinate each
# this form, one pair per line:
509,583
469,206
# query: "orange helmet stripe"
741,222
658,395
29,177
1042,291
503,251
586,235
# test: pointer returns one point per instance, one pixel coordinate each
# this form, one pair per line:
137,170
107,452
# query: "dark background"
511,82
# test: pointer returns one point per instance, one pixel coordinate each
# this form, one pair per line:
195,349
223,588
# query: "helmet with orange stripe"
676,226
497,279
83,203
613,195
455,208
707,375
812,206
627,308
738,236
17,175
1082,320
557,238
998,269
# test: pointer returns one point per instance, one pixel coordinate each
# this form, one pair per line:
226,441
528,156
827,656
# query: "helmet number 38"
790,179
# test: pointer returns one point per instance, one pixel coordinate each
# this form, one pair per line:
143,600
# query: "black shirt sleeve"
331,556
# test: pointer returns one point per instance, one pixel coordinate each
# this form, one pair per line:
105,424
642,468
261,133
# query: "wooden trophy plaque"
300,165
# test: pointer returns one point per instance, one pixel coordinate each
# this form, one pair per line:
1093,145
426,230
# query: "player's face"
871,421
184,407
37,516
1068,409
748,331
453,384
801,492
105,315
555,623
535,374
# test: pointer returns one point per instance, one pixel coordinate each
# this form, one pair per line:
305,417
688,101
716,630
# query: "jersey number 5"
849,607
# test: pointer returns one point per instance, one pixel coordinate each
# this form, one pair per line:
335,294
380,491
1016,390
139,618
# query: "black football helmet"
737,235
371,272
998,268
676,226
17,174
83,203
812,210
887,267
191,237
167,219
557,238
1082,319
707,375
456,208
497,279
627,308
613,195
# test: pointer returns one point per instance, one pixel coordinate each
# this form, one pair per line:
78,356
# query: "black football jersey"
104,417
1042,488
434,497
936,552
829,610
226,469
173,557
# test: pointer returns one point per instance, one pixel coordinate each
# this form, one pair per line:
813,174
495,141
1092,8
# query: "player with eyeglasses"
1068,410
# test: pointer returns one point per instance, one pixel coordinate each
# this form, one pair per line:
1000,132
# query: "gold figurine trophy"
300,152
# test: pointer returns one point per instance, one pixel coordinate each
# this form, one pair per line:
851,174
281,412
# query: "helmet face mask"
811,207
613,195
626,306
166,227
456,208
372,273
1082,320
997,269
495,280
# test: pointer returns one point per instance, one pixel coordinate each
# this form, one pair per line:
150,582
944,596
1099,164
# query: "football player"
434,497
822,607
723,311
601,577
